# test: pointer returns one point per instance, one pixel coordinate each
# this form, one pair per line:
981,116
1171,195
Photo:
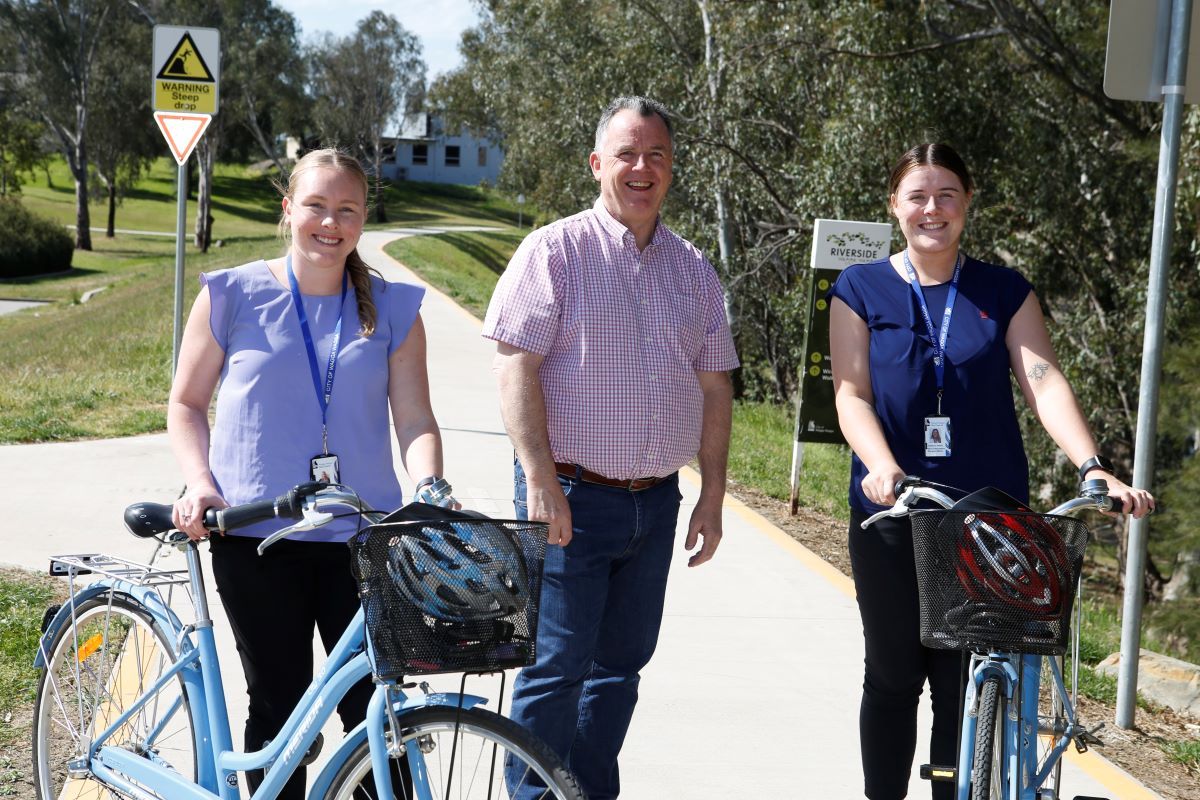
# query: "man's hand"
705,522
547,503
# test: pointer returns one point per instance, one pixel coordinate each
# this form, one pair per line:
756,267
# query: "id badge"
937,437
325,468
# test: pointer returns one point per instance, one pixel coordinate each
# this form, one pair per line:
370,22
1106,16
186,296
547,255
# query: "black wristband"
1095,462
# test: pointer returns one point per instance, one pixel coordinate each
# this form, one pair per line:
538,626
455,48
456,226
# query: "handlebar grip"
228,519
290,504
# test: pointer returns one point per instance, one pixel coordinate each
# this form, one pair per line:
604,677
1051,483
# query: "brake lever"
312,519
898,510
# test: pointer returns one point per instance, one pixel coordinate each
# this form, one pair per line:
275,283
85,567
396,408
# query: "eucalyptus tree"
122,139
362,84
59,41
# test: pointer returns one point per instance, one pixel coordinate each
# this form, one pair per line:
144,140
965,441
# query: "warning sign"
186,69
186,63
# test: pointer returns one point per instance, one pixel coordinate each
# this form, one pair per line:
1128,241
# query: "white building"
425,151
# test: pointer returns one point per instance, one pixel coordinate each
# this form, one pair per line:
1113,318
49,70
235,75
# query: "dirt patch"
1139,751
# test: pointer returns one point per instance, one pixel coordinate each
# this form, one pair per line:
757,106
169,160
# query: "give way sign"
182,131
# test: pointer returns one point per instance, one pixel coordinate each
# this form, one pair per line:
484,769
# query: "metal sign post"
185,79
1165,79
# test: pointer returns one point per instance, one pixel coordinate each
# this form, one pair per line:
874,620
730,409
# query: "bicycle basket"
997,581
457,594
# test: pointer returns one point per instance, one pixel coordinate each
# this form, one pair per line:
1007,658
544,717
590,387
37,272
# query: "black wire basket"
997,581
399,559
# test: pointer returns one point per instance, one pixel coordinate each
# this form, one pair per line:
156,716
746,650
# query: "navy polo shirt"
978,394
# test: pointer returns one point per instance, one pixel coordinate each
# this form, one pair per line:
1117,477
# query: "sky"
437,23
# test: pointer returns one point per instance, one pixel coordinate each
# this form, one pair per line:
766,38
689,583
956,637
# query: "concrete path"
754,689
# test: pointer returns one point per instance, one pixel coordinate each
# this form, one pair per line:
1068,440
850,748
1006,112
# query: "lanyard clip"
939,408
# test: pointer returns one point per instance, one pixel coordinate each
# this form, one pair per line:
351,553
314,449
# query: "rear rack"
115,567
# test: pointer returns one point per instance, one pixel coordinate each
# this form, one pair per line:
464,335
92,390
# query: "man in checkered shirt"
613,353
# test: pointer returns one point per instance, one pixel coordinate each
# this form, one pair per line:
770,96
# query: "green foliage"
1186,753
31,245
23,600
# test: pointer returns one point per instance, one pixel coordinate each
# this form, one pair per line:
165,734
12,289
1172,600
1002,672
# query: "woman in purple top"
922,346
310,350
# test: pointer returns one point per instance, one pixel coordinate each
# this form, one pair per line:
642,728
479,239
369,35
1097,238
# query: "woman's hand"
188,512
880,484
1137,502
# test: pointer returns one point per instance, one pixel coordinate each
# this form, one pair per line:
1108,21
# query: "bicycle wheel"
464,754
95,669
1052,723
987,780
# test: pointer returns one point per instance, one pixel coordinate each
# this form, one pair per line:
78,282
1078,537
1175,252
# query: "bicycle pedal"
314,750
929,772
1086,739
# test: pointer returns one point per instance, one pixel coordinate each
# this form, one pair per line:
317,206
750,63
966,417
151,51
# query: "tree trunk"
111,230
380,211
205,153
83,217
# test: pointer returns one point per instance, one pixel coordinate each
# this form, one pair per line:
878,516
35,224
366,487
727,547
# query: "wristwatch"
1095,462
428,480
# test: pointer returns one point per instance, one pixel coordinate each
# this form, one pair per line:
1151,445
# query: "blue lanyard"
939,341
323,394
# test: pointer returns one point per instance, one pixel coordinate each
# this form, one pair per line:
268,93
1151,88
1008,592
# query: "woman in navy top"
922,345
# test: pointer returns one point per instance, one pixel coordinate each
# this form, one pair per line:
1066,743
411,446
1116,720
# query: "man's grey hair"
644,106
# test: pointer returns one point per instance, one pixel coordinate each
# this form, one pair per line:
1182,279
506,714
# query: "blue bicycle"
999,582
130,701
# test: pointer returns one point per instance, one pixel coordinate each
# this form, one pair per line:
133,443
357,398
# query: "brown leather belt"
586,475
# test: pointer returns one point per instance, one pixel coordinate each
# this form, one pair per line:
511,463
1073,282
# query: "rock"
1185,579
1163,680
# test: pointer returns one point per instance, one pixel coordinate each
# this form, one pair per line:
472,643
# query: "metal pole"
1160,253
180,224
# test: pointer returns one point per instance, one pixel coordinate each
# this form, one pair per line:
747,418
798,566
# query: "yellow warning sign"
186,70
185,63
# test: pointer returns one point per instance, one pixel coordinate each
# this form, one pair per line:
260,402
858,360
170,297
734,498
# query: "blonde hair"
359,272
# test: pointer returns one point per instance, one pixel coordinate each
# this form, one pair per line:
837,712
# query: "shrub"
31,245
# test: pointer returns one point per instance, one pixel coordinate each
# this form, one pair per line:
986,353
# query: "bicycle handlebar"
1093,494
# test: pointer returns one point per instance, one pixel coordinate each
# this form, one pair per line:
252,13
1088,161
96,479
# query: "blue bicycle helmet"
460,571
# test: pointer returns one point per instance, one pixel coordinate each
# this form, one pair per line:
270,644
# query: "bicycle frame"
1019,771
217,764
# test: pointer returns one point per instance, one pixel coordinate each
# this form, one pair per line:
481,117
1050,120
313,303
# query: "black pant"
273,602
897,664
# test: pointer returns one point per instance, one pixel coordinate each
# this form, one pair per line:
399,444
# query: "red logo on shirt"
983,314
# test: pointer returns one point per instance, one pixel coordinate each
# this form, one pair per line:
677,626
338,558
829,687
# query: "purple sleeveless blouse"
268,420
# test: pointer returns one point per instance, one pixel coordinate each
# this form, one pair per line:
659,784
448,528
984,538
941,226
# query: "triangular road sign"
185,63
182,132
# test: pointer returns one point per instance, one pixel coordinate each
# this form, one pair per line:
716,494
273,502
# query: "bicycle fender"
354,738
144,595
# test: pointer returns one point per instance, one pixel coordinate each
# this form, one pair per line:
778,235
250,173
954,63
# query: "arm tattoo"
1038,371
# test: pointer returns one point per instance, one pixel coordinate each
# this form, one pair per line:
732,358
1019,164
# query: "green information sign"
817,420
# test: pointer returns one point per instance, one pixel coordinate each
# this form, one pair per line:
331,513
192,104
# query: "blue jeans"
601,608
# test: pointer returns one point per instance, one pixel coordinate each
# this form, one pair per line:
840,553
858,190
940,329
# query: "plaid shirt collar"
617,229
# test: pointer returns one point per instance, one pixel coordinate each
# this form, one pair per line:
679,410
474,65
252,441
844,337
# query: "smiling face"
633,166
325,215
931,206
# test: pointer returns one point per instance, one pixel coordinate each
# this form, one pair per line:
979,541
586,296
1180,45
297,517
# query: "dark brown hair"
360,273
930,155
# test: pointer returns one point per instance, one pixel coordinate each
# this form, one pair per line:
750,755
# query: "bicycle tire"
95,667
476,770
986,774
